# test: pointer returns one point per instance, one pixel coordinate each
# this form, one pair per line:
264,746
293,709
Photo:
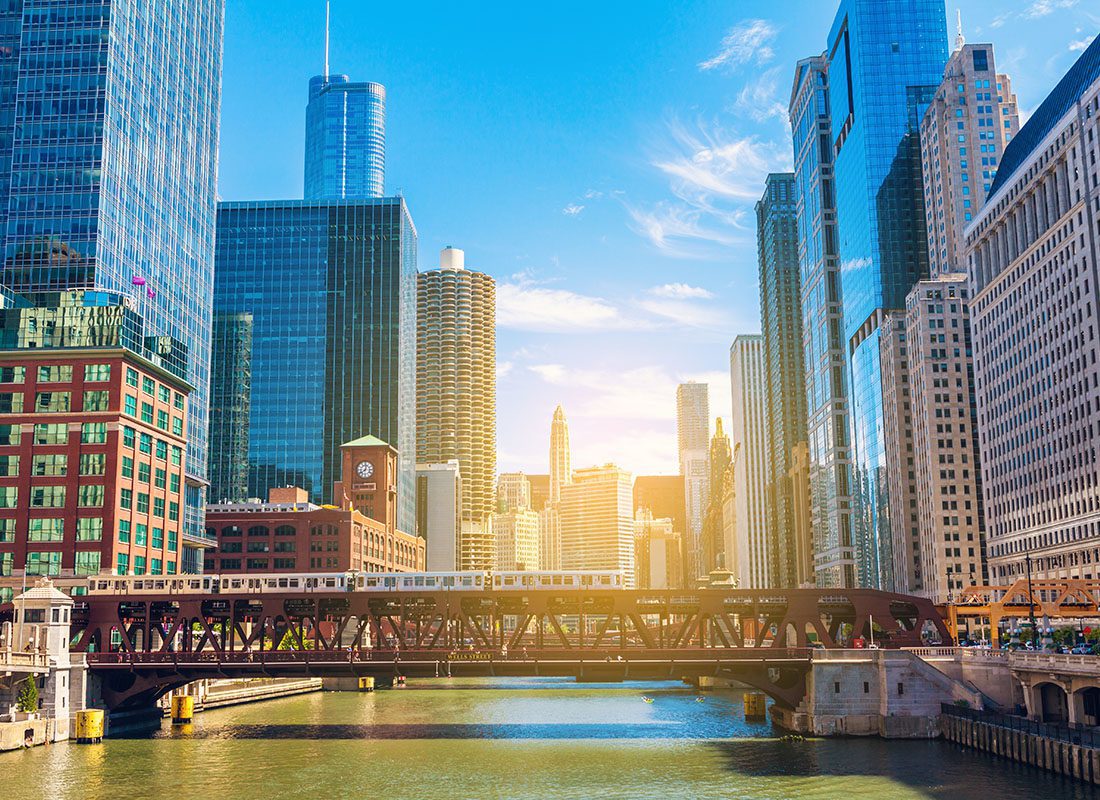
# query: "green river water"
545,739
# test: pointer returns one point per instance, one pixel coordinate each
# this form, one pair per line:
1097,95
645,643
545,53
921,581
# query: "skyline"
677,142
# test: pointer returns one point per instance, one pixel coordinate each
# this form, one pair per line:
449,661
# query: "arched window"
258,530
232,530
286,530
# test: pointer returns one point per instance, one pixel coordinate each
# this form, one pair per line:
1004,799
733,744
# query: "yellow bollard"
183,709
89,726
755,705
366,684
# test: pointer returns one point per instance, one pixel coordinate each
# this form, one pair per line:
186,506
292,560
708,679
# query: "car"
1082,650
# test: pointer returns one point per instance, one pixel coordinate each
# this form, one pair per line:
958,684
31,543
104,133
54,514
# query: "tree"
27,699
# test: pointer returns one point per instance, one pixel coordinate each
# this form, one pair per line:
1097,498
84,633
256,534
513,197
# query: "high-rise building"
456,362
886,62
693,441
108,173
657,552
824,345
662,496
345,138
781,326
963,134
439,513
331,287
561,458
540,490
750,554
516,534
802,528
719,463
1031,260
597,521
230,405
513,492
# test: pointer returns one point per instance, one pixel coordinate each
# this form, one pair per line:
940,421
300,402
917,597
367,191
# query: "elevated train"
352,581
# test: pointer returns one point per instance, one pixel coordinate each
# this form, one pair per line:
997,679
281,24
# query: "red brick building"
92,444
290,534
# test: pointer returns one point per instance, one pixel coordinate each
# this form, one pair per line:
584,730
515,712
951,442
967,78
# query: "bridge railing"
12,660
1074,734
1063,661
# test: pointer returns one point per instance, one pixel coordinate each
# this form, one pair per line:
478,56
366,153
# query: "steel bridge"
1051,598
143,646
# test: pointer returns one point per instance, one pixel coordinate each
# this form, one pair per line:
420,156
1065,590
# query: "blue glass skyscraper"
108,168
345,139
330,287
885,61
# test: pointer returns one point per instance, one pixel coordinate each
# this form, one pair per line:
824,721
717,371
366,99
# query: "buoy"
183,709
400,681
89,726
366,684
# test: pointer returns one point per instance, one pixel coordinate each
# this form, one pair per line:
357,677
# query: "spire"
327,18
718,427
960,40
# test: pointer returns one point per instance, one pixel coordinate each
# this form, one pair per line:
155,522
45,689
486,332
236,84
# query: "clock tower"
369,479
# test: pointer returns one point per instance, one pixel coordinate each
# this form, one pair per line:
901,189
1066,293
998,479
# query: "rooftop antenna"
327,17
959,39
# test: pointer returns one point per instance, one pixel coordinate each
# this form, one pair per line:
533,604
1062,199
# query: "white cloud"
681,291
1042,8
1080,44
759,98
572,210
525,306
504,368
749,40
687,314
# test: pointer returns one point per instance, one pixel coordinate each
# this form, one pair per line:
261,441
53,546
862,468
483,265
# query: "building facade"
516,534
345,139
331,288
754,547
82,208
513,492
824,346
456,390
657,552
718,466
439,513
885,62
230,406
1032,267
561,475
693,441
781,326
597,521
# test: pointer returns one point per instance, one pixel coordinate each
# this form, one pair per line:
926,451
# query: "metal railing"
1083,735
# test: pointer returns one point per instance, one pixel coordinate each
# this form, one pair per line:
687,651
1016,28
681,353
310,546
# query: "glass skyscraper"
345,139
885,60
331,289
109,116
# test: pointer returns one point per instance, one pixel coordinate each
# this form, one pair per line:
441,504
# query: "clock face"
364,469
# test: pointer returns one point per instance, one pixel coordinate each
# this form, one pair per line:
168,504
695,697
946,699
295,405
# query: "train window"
419,580
509,580
449,580
390,582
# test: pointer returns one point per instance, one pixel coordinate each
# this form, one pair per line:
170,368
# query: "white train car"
292,582
556,579
420,581
152,584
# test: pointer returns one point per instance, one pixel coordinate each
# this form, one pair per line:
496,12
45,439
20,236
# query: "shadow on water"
427,731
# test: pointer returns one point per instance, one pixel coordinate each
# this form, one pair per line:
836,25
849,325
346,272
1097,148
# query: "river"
544,739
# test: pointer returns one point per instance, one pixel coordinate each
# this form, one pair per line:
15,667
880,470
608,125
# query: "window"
284,563
173,510
139,565
177,455
5,567
173,541
147,413
141,534
98,400
285,546
97,373
126,498
127,467
158,538
177,401
129,405
93,433
155,567
43,563
87,563
10,434
161,478
53,464
93,464
162,449
162,420
47,497
158,507
124,531
174,483
11,402
145,443
7,530
143,471
62,373
89,529
231,563
123,565
89,496
231,547
286,530
51,433
51,402
131,377
13,374
257,563
9,466
143,503
148,385
164,394
49,529
128,436
177,426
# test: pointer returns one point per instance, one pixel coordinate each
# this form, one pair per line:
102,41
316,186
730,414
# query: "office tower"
971,119
1031,256
561,459
331,287
516,534
802,523
886,61
108,173
781,326
540,490
824,346
597,522
513,492
230,405
439,513
456,407
751,553
693,435
719,462
93,422
657,552
663,497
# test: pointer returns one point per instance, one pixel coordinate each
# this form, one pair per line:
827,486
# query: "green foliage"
27,699
290,641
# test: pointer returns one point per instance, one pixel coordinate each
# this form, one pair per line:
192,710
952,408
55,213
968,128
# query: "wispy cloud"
748,40
504,369
759,99
1042,8
524,305
681,291
572,210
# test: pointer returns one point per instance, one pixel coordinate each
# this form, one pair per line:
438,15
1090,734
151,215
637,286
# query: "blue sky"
601,160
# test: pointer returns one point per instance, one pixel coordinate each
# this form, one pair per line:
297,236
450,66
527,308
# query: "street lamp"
1030,596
